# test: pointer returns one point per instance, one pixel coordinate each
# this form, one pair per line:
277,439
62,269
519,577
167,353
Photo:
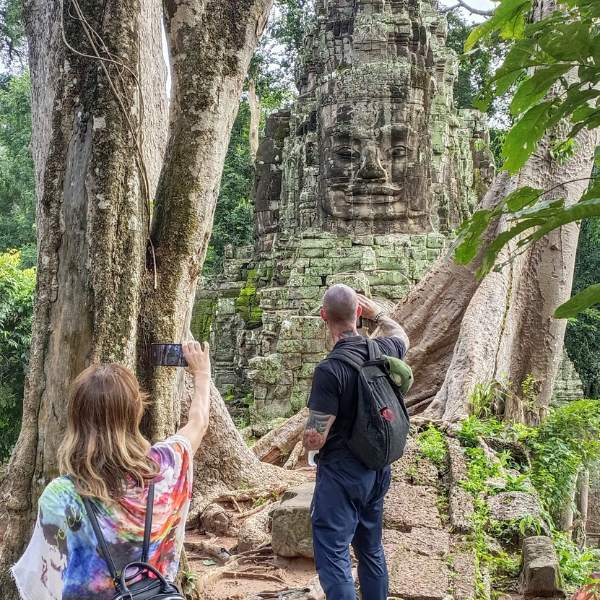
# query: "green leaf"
569,41
506,13
523,137
585,299
532,90
521,198
582,210
491,254
469,236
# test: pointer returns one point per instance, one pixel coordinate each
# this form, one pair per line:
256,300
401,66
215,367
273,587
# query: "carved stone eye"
400,152
346,153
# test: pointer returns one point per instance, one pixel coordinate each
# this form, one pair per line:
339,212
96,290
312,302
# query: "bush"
16,311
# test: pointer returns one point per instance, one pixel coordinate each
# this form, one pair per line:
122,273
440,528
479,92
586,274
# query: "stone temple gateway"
361,181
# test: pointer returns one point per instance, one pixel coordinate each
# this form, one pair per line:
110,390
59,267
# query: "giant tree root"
277,445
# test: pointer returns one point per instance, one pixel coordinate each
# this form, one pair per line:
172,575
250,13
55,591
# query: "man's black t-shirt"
335,390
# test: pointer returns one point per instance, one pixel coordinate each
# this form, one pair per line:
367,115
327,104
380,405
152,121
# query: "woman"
105,457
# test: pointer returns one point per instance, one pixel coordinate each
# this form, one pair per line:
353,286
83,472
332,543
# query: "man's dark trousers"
348,509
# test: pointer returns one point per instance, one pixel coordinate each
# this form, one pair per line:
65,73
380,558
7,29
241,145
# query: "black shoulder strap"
148,524
91,513
374,351
104,551
346,357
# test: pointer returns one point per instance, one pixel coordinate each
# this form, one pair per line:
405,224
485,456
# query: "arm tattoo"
317,429
390,328
317,421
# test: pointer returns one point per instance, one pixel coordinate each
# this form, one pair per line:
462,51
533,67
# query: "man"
348,502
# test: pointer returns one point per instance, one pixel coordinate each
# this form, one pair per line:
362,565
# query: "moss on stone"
247,304
202,317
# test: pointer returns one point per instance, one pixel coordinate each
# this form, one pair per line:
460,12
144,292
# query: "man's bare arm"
317,429
391,328
388,326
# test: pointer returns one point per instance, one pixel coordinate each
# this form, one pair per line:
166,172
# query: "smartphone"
167,355
359,322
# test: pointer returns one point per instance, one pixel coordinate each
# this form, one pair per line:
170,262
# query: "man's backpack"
134,581
381,424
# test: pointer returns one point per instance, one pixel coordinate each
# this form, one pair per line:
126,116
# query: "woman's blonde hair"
104,451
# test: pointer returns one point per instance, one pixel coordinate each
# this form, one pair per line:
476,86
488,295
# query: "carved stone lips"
373,192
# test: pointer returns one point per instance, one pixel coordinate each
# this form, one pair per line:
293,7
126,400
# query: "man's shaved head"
340,303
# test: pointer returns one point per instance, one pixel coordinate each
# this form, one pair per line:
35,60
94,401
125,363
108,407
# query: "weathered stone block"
409,506
291,530
312,252
461,510
289,346
510,506
317,243
436,240
541,574
458,464
266,370
387,278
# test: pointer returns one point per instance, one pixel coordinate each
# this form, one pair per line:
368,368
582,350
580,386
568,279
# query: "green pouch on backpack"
400,373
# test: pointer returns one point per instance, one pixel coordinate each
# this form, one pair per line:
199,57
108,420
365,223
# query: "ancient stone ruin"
362,181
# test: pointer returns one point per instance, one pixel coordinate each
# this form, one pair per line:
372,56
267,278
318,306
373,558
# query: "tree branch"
475,11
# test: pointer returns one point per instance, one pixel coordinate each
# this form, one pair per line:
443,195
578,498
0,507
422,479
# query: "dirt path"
427,560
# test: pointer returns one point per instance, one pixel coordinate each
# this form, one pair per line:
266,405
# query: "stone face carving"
361,181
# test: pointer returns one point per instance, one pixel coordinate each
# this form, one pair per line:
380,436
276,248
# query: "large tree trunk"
96,294
463,332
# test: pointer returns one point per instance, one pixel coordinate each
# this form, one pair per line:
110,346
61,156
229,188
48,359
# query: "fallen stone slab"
456,460
462,564
413,468
541,573
408,506
291,530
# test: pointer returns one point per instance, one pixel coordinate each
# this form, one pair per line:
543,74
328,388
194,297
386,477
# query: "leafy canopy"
564,50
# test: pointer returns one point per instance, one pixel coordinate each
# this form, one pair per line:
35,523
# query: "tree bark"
254,104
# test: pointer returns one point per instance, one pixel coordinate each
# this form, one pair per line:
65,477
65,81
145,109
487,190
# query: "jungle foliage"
16,309
564,50
549,458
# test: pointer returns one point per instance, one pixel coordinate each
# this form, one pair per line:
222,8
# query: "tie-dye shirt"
62,561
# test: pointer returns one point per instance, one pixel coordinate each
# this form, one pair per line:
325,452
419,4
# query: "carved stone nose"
371,166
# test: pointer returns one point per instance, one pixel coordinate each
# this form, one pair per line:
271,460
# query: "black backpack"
144,587
381,423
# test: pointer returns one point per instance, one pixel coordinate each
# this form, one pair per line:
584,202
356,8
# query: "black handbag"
144,587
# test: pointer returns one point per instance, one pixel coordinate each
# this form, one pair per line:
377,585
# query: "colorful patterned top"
62,562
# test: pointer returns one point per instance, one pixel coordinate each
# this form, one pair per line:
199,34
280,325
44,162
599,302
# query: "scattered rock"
291,529
541,574
461,510
509,506
409,506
